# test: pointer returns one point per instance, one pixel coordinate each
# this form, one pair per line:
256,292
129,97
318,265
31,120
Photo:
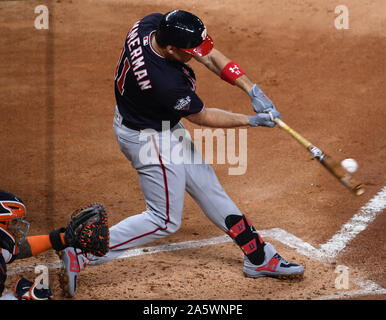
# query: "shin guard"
246,237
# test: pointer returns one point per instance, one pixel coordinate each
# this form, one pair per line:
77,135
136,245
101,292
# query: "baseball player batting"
153,85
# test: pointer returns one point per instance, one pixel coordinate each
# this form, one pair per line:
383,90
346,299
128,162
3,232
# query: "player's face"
19,229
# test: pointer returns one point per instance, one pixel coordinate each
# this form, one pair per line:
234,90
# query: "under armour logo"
235,69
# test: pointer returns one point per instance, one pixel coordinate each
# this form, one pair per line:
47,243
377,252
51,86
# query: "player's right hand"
28,290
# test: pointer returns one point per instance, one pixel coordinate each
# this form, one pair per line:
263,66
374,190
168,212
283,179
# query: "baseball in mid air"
350,165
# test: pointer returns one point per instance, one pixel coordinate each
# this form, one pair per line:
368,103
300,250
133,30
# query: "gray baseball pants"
167,164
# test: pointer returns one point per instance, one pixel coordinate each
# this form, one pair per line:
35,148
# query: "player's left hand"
260,102
264,119
88,230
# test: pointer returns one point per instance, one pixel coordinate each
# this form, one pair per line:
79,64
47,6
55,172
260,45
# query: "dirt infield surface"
59,150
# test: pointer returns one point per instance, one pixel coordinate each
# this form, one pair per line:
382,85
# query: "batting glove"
260,102
263,119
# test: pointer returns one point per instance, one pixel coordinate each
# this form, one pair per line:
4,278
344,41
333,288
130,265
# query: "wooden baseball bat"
329,163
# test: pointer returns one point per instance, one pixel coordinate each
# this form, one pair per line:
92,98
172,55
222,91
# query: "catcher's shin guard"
246,237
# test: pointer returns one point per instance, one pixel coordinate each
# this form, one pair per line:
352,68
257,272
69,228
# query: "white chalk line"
327,252
368,288
355,225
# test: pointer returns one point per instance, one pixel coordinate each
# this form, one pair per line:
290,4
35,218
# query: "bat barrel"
342,175
329,163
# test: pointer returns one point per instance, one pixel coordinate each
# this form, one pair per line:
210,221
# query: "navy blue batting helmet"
186,31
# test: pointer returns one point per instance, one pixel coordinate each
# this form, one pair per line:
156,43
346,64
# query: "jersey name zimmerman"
136,56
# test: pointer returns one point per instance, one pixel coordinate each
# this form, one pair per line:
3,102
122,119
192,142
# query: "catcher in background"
88,231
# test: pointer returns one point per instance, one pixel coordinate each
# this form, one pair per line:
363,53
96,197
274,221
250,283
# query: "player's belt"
129,125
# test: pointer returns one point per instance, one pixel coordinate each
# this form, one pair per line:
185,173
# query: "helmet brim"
203,49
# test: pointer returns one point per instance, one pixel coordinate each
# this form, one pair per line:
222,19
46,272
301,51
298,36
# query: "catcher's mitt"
88,230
